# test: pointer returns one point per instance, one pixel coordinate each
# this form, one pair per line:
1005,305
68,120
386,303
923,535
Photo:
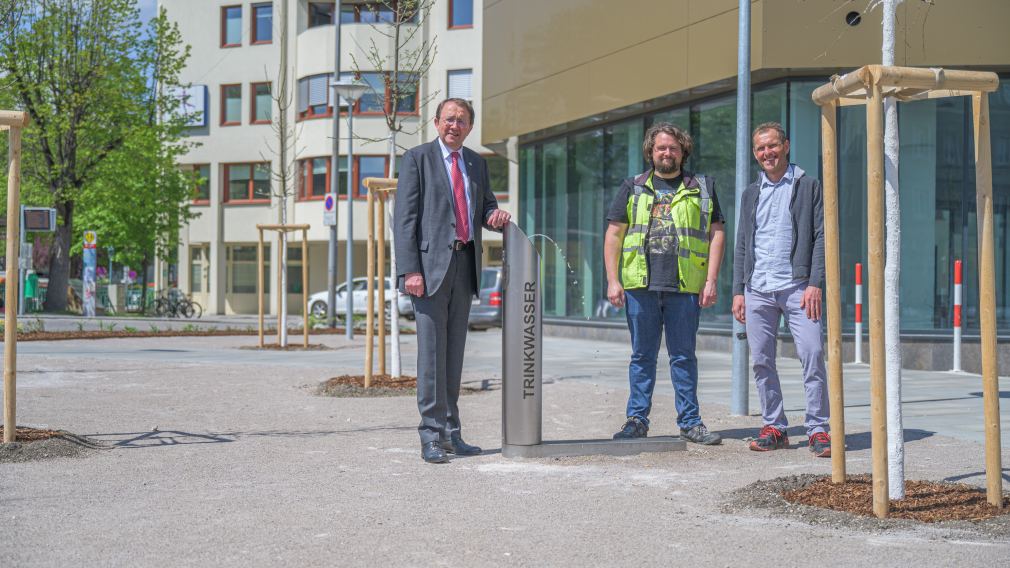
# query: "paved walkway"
223,456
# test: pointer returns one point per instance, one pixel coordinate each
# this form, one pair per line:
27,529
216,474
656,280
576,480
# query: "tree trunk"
394,309
59,262
892,274
143,281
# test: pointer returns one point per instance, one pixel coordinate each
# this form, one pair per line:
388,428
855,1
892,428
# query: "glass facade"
568,181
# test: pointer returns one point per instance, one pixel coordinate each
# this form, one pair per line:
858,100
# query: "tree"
78,67
284,168
139,199
407,62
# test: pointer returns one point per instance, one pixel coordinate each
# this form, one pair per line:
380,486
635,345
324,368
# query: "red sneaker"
770,438
819,444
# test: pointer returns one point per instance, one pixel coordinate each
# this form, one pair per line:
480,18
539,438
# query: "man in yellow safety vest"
662,251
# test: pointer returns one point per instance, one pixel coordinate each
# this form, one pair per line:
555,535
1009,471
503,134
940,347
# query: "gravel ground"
224,457
65,446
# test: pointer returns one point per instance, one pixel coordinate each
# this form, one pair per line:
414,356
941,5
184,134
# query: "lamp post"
350,92
331,251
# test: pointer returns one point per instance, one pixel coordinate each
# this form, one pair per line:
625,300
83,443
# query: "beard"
667,167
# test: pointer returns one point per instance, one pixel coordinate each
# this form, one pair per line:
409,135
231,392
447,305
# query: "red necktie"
459,194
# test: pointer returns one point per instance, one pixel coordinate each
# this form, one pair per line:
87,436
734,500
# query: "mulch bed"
925,501
294,346
23,434
353,386
65,335
848,506
34,444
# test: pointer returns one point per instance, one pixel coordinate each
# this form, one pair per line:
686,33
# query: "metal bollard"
859,313
957,316
522,328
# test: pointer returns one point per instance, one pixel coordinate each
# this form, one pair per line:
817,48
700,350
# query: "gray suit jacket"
424,223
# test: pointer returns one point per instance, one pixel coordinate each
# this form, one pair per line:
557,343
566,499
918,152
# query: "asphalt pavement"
221,455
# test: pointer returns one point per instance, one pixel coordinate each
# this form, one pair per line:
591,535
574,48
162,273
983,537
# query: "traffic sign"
90,239
329,211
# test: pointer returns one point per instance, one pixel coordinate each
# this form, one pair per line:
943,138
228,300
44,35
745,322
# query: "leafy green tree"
138,201
86,71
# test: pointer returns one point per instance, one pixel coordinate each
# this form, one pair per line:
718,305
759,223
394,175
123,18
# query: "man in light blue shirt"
778,269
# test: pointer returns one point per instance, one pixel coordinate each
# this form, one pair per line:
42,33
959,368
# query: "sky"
147,9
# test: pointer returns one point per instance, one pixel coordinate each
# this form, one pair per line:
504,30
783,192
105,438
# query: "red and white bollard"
859,313
957,316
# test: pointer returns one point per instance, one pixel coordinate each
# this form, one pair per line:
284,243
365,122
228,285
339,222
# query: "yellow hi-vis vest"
692,215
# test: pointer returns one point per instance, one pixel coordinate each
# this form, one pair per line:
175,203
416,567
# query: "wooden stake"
833,279
875,250
305,288
987,299
381,279
369,315
277,289
11,293
259,282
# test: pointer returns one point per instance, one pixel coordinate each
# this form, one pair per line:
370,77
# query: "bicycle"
173,303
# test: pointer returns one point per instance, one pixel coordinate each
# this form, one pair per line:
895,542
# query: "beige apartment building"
234,63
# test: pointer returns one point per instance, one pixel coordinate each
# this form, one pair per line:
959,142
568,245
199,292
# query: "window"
262,104
294,265
242,265
460,84
407,98
198,269
314,96
460,14
375,11
247,182
498,171
373,101
231,105
321,13
369,166
201,183
262,23
314,175
231,26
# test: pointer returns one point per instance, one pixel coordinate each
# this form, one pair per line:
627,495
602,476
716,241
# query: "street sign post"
329,211
90,245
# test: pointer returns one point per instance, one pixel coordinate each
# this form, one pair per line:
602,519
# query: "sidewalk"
223,456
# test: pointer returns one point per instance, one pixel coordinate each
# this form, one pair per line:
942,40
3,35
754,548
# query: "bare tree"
403,67
283,169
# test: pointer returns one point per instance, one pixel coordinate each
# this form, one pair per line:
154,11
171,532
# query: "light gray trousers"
763,310
441,337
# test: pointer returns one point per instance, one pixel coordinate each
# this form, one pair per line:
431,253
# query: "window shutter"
303,95
317,89
461,84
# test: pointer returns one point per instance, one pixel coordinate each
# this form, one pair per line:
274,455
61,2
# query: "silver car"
486,311
317,301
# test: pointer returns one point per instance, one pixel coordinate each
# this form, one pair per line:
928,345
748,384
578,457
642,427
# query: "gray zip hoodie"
807,213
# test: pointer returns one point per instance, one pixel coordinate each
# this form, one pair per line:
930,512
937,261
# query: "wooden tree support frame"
380,190
13,122
869,86
305,279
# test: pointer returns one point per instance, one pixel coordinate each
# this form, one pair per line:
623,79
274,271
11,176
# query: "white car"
317,301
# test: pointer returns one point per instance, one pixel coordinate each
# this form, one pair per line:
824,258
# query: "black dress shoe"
457,446
433,453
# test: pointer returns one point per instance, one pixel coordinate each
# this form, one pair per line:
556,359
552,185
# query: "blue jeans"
648,314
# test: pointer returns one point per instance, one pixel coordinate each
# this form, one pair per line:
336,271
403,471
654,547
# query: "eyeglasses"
461,122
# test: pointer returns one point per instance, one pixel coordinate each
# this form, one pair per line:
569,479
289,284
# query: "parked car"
486,311
317,301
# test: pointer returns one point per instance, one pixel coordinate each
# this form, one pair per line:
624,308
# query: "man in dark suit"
443,198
